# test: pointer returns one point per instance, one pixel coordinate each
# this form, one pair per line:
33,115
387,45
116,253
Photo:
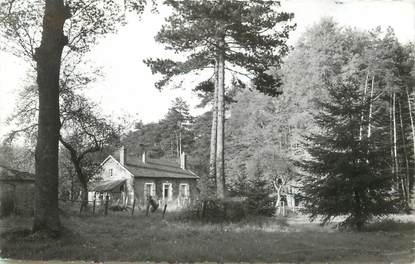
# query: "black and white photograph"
207,131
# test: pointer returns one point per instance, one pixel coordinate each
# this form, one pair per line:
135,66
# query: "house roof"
158,168
8,174
106,186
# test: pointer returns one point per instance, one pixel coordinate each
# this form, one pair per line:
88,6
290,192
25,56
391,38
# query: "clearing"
122,237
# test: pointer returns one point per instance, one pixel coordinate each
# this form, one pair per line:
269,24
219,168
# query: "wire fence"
103,206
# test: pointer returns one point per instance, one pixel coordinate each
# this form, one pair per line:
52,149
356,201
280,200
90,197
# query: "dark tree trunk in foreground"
48,58
220,154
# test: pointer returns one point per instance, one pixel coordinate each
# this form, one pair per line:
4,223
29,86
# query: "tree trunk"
359,221
84,197
171,146
213,135
180,140
48,58
405,180
277,204
413,133
370,108
391,135
72,188
220,154
177,145
395,149
361,115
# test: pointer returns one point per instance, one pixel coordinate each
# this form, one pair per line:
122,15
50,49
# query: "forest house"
138,178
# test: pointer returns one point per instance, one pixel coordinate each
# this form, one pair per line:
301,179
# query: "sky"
127,85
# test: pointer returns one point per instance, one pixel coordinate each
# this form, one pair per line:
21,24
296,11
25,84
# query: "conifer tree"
224,36
347,175
258,193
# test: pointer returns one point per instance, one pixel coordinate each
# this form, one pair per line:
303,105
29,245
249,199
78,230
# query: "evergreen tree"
347,175
224,35
175,129
258,193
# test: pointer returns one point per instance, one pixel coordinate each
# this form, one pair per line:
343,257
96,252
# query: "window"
110,172
149,189
167,191
184,190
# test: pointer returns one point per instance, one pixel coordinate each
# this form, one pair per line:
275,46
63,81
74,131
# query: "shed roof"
8,174
158,168
107,186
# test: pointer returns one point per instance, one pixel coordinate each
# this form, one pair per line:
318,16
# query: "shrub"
258,200
215,210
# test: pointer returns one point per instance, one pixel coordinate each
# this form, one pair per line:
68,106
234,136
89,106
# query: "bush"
258,200
215,210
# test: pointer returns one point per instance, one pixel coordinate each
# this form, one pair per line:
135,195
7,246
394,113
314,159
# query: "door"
167,191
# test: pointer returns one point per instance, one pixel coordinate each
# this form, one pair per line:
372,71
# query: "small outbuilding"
16,192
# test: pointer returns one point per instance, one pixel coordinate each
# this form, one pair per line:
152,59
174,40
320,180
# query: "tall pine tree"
236,36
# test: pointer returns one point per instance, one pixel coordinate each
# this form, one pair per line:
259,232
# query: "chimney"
183,161
123,155
144,157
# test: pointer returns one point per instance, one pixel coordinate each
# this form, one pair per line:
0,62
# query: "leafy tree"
83,133
346,173
17,157
38,30
223,35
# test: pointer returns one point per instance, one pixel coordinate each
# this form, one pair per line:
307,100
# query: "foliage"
196,26
17,157
83,133
198,155
347,174
215,211
245,38
259,201
166,138
88,21
382,67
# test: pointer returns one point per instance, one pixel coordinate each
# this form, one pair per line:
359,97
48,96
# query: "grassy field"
121,237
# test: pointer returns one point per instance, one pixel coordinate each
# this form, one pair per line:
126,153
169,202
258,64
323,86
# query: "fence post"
80,209
93,207
164,211
148,208
283,209
204,204
106,204
224,211
132,211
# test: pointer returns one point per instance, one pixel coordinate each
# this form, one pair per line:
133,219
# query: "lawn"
122,237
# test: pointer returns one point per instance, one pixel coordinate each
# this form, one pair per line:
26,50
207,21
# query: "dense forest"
272,132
